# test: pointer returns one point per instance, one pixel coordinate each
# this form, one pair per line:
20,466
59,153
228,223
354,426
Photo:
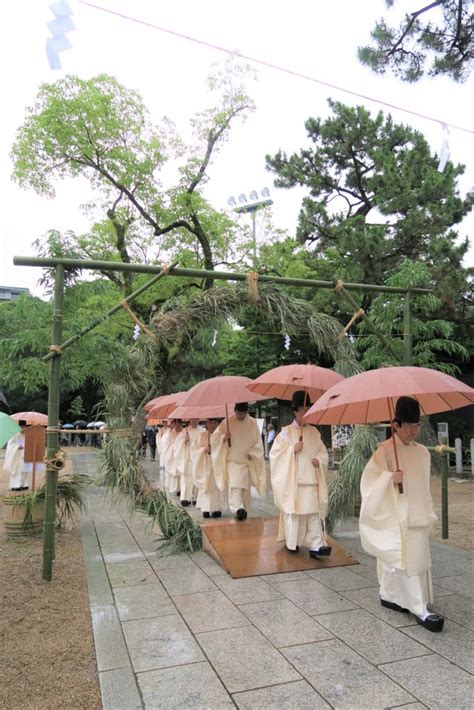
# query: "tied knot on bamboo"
56,349
165,268
252,287
339,285
439,449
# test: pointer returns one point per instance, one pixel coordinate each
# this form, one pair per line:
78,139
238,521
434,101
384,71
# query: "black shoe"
15,489
217,514
194,502
323,551
433,622
24,488
241,514
297,548
393,606
185,503
206,514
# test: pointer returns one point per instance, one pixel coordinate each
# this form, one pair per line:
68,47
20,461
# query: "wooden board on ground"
249,548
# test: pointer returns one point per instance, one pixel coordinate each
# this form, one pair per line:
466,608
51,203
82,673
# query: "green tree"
101,131
436,39
435,344
357,164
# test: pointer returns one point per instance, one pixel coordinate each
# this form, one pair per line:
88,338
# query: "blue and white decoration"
58,28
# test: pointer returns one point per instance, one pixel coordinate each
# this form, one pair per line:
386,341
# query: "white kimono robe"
232,468
299,488
182,451
169,461
395,527
210,498
14,463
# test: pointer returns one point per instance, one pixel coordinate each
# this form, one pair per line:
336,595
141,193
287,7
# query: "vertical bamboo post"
407,332
53,420
444,497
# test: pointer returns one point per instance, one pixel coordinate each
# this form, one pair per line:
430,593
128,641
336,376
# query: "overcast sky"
315,38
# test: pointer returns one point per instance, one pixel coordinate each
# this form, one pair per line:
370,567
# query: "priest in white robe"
14,463
182,449
298,464
238,460
172,476
210,499
394,526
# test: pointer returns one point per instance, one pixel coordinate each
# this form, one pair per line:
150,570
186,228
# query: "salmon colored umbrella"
216,411
31,418
282,382
153,403
223,390
166,405
372,396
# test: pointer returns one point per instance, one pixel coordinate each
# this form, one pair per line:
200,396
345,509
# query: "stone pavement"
178,632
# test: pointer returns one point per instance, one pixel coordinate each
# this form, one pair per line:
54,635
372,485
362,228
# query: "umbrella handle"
209,441
227,420
400,485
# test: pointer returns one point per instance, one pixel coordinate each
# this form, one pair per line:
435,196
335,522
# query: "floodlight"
254,195
265,192
243,198
231,202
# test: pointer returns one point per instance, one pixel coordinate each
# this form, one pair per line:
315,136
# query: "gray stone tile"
462,584
283,623
455,643
159,561
209,611
111,557
283,577
247,589
344,678
244,659
160,643
377,641
97,581
413,706
434,681
339,578
185,581
449,567
126,574
313,597
190,686
369,599
110,647
456,608
440,592
119,690
290,696
206,563
143,601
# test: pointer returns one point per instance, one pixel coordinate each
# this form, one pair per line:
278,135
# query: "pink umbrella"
282,382
222,390
372,396
166,405
216,411
31,418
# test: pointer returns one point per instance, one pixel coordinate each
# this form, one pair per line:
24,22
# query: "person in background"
395,526
14,463
151,440
210,499
298,463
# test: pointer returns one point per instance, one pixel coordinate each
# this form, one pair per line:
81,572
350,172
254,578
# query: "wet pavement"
178,632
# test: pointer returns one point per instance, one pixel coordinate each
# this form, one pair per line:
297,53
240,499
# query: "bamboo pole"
443,451
407,332
110,312
53,431
201,274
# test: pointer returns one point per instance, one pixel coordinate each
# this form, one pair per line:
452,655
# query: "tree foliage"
99,130
358,164
436,39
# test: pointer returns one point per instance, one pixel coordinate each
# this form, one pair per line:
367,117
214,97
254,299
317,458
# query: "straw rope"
56,349
165,268
252,285
125,305
357,314
339,285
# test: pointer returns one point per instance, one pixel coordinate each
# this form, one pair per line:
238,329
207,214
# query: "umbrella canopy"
31,418
153,403
216,411
8,428
225,389
282,382
167,403
371,396
80,423
67,426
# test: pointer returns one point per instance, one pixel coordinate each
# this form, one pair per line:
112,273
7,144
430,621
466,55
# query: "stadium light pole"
251,206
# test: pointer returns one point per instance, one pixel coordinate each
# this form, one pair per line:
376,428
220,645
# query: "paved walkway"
178,632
